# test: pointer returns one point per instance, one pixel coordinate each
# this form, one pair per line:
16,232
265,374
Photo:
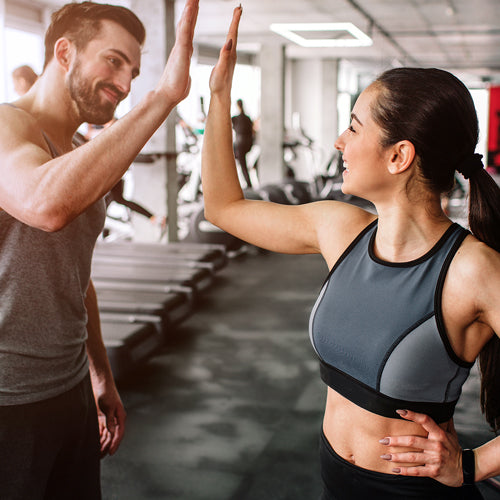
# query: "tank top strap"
53,150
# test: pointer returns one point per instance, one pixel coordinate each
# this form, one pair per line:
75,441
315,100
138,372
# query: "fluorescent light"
288,30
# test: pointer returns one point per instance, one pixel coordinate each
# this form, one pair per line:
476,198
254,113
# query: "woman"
411,300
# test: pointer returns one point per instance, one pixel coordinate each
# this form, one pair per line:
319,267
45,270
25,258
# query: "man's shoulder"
18,126
15,114
15,117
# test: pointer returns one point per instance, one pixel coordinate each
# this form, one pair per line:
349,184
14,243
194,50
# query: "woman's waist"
355,433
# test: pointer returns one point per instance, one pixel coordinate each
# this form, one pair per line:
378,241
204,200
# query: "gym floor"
231,408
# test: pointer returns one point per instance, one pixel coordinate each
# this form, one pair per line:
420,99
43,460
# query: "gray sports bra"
378,330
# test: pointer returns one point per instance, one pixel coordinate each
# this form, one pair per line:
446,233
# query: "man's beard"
92,108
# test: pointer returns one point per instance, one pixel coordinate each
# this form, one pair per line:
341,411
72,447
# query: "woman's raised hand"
222,75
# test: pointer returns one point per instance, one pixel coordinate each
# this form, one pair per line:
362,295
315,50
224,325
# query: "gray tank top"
378,330
43,280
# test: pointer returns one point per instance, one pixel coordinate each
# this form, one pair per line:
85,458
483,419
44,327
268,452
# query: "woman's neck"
407,233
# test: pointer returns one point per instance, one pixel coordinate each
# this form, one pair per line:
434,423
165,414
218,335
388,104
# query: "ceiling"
458,35
462,36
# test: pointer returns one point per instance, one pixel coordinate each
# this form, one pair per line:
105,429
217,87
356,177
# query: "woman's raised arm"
281,228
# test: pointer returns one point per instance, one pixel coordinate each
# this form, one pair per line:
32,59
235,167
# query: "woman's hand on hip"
438,455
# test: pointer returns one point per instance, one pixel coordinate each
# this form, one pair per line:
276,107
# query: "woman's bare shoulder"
474,274
338,225
475,259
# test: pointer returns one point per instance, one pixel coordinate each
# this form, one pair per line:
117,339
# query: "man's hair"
81,22
25,72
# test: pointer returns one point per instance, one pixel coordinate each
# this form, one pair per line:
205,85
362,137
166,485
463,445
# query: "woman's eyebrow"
354,117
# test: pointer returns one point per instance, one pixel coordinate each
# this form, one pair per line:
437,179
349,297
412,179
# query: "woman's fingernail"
386,457
396,471
229,44
403,413
385,441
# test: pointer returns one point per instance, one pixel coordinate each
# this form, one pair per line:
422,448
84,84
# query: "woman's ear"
63,52
402,157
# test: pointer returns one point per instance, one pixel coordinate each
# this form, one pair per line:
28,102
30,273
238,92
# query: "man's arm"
49,193
109,405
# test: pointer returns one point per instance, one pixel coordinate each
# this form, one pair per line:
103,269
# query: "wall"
312,107
150,181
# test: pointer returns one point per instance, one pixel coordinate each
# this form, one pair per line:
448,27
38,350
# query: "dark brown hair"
434,110
80,22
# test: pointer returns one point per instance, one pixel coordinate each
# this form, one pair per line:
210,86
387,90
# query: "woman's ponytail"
484,222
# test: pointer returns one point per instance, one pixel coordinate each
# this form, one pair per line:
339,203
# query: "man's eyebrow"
354,117
126,58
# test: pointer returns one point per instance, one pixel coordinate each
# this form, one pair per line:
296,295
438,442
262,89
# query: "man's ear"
64,50
402,157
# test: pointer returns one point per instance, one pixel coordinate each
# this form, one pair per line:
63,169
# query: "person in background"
23,78
59,406
411,300
243,139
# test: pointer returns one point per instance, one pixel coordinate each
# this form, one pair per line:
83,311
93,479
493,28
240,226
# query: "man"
51,214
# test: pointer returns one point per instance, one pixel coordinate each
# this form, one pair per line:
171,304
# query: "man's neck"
49,103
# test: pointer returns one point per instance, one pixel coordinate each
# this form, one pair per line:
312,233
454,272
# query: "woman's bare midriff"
354,433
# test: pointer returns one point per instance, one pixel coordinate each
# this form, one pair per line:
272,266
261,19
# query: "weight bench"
152,277
170,307
129,341
196,255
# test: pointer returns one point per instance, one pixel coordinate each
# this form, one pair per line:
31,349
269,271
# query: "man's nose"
122,83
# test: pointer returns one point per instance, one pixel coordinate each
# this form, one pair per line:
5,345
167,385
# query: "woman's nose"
339,143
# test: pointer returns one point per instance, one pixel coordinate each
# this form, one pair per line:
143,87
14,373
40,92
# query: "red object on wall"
494,128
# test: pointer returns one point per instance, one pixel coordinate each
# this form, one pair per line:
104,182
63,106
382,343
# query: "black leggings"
345,481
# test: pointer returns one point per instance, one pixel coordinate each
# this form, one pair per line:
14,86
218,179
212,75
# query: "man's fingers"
105,441
116,440
188,19
116,427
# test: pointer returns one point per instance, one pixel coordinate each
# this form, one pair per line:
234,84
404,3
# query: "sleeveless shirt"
378,330
44,277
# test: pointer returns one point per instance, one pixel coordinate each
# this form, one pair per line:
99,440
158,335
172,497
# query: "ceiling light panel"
323,34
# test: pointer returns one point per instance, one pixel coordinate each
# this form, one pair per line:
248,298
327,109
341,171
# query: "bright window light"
323,34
